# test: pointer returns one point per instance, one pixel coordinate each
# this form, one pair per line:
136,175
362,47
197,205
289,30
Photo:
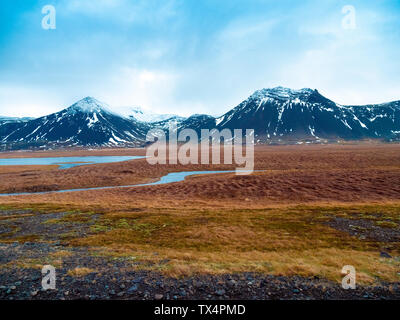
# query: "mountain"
13,119
285,114
137,113
277,115
175,122
10,124
198,122
88,122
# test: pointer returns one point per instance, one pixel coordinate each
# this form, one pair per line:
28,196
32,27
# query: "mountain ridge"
278,115
139,114
87,122
305,113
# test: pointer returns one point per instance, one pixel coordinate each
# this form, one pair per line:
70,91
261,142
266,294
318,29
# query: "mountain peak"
282,93
89,104
286,90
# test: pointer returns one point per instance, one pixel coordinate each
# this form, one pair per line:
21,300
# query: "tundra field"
285,231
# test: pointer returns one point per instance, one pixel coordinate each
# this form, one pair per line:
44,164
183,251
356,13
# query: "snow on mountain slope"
283,113
279,114
88,122
139,114
13,119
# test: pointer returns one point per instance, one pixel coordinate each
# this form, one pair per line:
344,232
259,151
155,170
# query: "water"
179,176
65,162
169,178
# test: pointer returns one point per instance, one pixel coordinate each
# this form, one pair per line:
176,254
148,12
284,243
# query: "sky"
195,56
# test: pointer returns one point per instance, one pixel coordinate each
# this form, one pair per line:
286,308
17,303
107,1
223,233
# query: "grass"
272,222
61,254
387,224
291,240
281,241
34,263
80,272
10,238
72,217
26,169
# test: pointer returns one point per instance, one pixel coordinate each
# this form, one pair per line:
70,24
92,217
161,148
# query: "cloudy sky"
194,56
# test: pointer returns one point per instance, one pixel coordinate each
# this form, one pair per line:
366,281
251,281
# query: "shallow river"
69,162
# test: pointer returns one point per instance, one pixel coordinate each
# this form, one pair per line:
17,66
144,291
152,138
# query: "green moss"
122,223
68,235
146,228
99,228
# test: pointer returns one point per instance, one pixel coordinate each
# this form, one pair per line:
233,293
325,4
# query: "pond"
65,162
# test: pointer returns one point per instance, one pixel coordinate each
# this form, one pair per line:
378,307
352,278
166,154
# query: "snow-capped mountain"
88,122
175,122
13,119
285,114
139,114
198,122
278,115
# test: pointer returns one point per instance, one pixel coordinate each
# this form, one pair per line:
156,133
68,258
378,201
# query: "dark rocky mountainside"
277,115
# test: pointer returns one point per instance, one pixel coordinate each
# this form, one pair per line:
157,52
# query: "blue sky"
194,56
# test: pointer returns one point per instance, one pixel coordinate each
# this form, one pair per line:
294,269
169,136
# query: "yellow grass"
80,272
281,241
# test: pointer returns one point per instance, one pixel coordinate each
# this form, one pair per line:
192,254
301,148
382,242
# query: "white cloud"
150,89
181,57
18,101
343,73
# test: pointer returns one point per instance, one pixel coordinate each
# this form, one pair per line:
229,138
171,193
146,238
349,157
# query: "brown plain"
292,175
271,221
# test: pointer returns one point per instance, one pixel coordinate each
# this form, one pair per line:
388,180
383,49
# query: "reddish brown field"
312,210
293,175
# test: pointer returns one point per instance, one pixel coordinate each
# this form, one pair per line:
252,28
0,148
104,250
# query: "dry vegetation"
272,222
